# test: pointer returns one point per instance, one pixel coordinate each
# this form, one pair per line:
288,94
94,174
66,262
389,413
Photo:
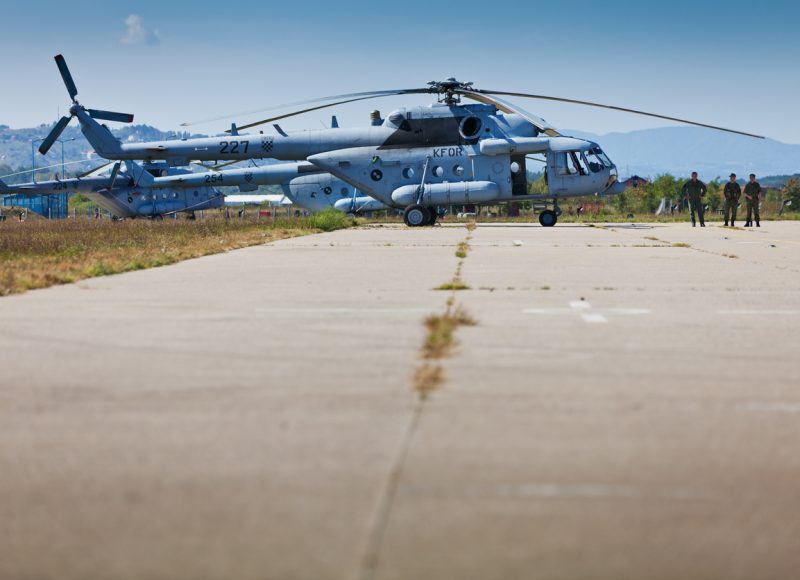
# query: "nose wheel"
548,218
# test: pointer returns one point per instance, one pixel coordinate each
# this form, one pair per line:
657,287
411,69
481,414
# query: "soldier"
695,190
752,192
732,194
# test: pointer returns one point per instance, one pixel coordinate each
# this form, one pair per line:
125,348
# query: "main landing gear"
549,217
417,215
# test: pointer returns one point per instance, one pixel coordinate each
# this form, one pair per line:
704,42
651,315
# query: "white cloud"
137,33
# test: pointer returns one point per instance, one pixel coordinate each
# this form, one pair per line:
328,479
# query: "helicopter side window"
578,165
570,163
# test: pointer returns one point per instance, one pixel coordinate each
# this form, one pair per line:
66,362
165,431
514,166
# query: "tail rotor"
76,107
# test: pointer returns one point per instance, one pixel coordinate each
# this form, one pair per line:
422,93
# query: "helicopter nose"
616,188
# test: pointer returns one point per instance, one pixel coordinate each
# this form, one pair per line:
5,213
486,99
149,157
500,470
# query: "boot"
733,225
758,224
726,224
747,224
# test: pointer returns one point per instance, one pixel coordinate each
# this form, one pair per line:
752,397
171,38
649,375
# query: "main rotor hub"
448,90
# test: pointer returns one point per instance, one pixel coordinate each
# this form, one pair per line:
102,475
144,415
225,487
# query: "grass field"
41,253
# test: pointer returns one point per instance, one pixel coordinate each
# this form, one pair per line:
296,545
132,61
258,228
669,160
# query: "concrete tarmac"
626,407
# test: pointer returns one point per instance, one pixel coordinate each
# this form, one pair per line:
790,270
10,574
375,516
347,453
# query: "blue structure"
49,206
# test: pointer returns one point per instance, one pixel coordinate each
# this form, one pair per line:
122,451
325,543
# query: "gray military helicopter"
155,189
447,153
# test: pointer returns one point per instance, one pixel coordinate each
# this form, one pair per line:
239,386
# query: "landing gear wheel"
548,218
416,215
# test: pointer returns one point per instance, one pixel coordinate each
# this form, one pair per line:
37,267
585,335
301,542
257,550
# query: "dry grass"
428,378
37,254
440,339
454,285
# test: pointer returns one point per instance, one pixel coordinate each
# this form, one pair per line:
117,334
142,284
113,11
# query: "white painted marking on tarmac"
746,312
342,310
586,312
594,318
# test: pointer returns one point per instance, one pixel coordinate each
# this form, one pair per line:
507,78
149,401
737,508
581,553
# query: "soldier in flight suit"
752,192
732,194
695,190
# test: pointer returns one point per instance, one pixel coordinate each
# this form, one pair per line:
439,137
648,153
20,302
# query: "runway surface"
628,406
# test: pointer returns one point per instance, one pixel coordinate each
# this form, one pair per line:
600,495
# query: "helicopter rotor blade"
55,133
114,174
61,63
615,108
506,107
354,96
94,170
216,167
317,108
110,116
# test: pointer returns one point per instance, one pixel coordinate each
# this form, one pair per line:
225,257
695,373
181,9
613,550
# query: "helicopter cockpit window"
597,160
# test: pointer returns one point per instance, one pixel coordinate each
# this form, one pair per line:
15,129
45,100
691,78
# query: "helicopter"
446,153
155,189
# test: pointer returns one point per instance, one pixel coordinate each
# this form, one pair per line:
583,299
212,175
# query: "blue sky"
732,64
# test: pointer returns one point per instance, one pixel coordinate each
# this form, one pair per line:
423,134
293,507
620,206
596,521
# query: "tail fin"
98,136
140,175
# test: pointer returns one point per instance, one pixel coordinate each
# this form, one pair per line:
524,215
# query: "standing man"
695,190
732,194
752,192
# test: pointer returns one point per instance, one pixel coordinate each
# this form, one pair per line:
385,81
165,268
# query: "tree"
714,194
791,191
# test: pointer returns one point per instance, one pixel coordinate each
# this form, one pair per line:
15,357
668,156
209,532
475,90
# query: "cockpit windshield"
597,160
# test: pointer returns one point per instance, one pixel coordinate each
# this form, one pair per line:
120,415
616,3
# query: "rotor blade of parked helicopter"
110,116
615,108
506,107
66,76
365,94
317,108
221,165
95,169
58,128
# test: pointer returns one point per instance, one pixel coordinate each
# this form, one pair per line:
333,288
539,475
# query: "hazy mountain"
681,150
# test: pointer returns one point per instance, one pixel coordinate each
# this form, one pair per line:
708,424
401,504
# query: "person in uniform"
732,194
695,190
752,193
